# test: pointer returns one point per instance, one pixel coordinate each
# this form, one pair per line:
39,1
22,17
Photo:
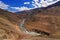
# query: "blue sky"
21,5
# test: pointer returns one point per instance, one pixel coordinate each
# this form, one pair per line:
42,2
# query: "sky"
21,5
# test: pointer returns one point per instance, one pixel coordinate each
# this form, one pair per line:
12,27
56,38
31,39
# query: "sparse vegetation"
45,20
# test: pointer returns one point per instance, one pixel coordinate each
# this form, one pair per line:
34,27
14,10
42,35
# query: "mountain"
35,14
8,25
38,20
52,10
43,19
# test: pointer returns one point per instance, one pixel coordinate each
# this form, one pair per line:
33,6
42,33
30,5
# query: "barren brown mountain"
46,22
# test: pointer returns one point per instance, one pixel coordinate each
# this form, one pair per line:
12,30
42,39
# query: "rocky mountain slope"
41,21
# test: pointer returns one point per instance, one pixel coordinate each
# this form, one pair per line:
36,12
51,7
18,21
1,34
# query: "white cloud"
13,11
48,2
36,4
3,6
26,2
21,8
43,3
36,0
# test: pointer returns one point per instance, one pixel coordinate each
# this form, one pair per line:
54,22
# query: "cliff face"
47,20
